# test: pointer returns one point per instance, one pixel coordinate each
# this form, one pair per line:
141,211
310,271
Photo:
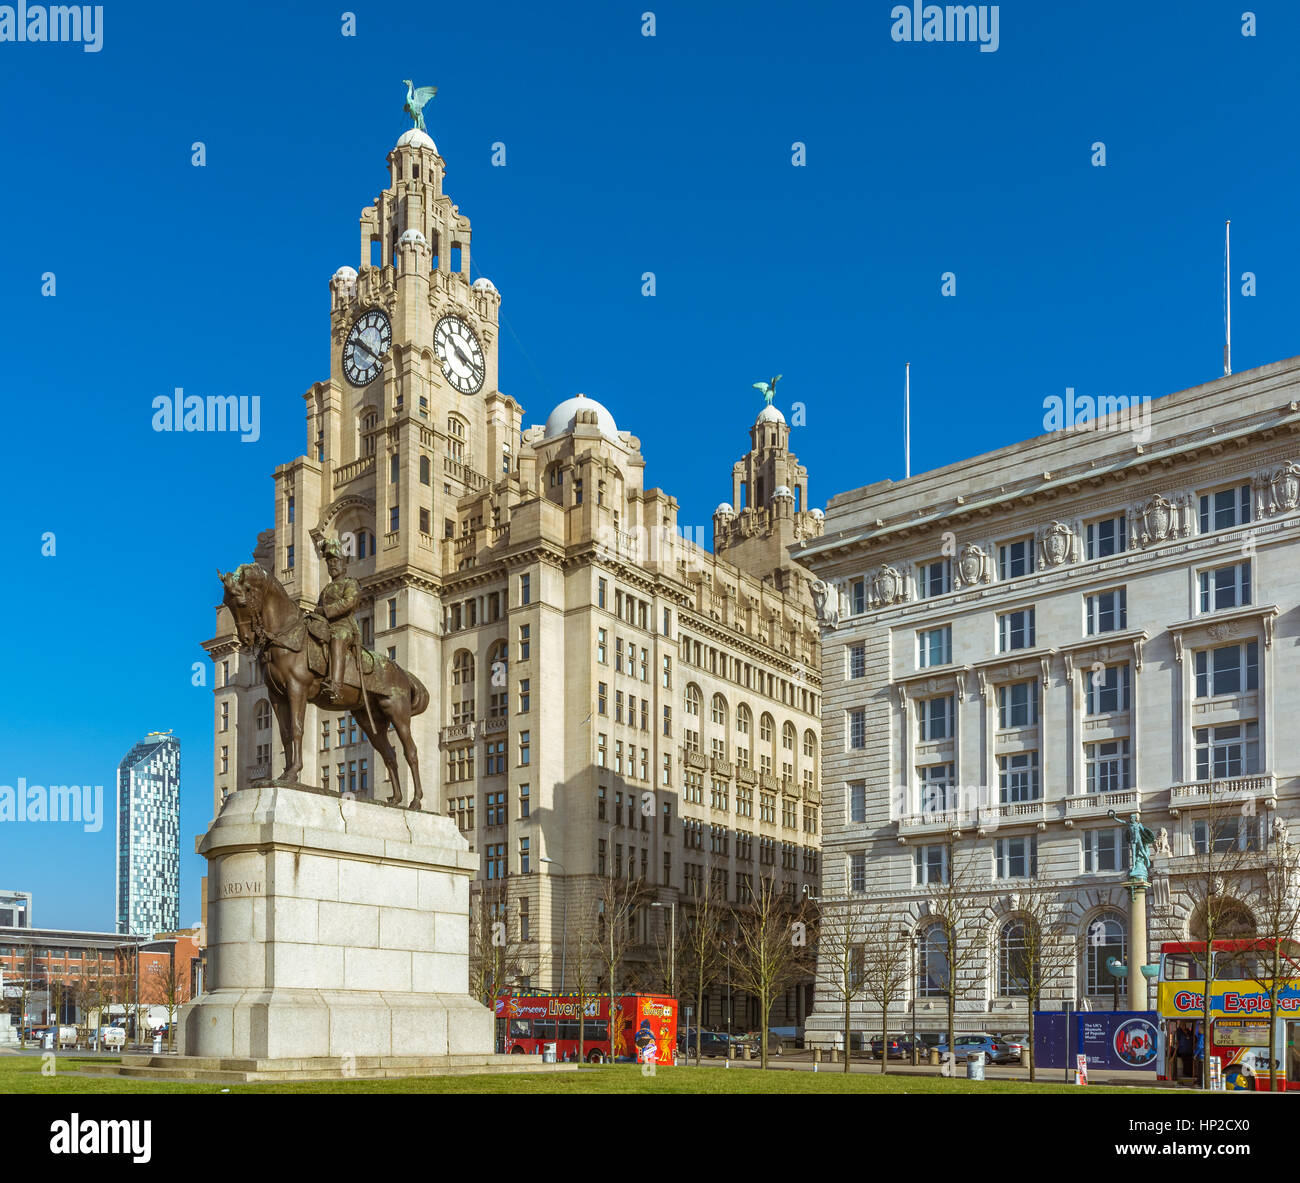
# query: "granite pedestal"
337,931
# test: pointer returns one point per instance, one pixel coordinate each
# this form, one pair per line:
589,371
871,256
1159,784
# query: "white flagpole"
1227,299
907,421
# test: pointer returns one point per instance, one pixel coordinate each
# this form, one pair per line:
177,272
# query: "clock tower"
409,435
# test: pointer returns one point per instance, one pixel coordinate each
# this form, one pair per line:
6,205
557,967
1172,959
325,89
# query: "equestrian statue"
316,657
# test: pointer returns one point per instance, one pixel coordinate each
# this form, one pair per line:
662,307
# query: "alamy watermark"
53,803
191,412
946,22
1106,412
39,23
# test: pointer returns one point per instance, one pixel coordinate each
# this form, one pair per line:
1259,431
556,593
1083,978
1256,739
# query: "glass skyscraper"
148,836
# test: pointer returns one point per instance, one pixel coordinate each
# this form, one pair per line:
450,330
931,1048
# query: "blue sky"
625,154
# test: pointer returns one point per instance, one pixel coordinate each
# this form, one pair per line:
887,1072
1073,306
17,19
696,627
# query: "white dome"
561,419
345,275
783,491
817,513
769,414
415,138
412,235
725,507
483,285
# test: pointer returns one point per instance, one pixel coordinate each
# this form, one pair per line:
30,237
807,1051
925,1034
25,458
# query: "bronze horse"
269,622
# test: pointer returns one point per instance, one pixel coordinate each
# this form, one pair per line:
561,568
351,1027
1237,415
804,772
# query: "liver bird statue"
768,389
415,100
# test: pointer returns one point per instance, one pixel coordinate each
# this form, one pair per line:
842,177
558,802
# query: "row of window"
1219,509
718,661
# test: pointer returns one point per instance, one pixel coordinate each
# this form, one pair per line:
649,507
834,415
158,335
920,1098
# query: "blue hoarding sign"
1113,1041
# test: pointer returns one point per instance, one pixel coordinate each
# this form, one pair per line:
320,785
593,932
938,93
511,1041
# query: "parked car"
112,1038
712,1044
790,1037
1016,1042
995,1052
900,1047
754,1041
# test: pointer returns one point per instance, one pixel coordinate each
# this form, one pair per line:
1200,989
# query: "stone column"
1137,944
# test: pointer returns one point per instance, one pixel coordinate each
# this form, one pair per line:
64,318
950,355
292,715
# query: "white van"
67,1037
113,1039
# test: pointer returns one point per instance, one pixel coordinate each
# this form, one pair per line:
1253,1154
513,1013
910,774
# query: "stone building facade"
583,656
1106,617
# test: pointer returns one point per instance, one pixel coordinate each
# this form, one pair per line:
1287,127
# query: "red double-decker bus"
644,1028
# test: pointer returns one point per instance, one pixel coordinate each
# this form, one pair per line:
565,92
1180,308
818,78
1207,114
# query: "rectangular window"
858,597
1016,558
1105,537
934,579
1106,766
1230,833
668,673
602,746
1107,611
934,647
857,661
394,518
857,729
1018,705
936,788
1015,858
934,717
525,589
1225,508
857,801
523,856
858,871
1230,749
602,646
1018,778
601,588
525,644
1229,669
392,613
1225,587
930,864
525,695
1104,850
1016,630
525,749
1107,689
618,655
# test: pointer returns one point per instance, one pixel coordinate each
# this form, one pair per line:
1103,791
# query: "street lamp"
564,923
671,905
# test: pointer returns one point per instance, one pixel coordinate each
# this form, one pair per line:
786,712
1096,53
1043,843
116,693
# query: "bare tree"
703,955
170,983
618,902
843,930
771,949
497,955
1226,840
885,970
1275,901
956,912
1037,947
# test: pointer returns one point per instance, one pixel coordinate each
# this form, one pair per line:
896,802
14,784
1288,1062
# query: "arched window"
368,421
932,971
766,726
809,745
462,668
744,720
262,715
498,664
719,710
456,439
693,698
1104,938
787,737
424,470
1013,958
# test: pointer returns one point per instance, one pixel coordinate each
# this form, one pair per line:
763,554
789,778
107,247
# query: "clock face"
367,341
460,354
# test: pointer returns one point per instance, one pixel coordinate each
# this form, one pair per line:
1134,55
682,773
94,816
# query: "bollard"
817,1055
1024,1056
747,1051
934,1057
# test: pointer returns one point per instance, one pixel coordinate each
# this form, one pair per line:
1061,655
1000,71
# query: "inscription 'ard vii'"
244,887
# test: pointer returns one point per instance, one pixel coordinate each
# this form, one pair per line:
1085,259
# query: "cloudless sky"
625,154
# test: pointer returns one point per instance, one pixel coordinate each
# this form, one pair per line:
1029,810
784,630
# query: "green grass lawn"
22,1074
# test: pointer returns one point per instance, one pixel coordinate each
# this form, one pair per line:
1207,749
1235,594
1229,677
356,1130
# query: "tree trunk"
766,1003
952,1021
1033,1067
848,1003
884,1039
